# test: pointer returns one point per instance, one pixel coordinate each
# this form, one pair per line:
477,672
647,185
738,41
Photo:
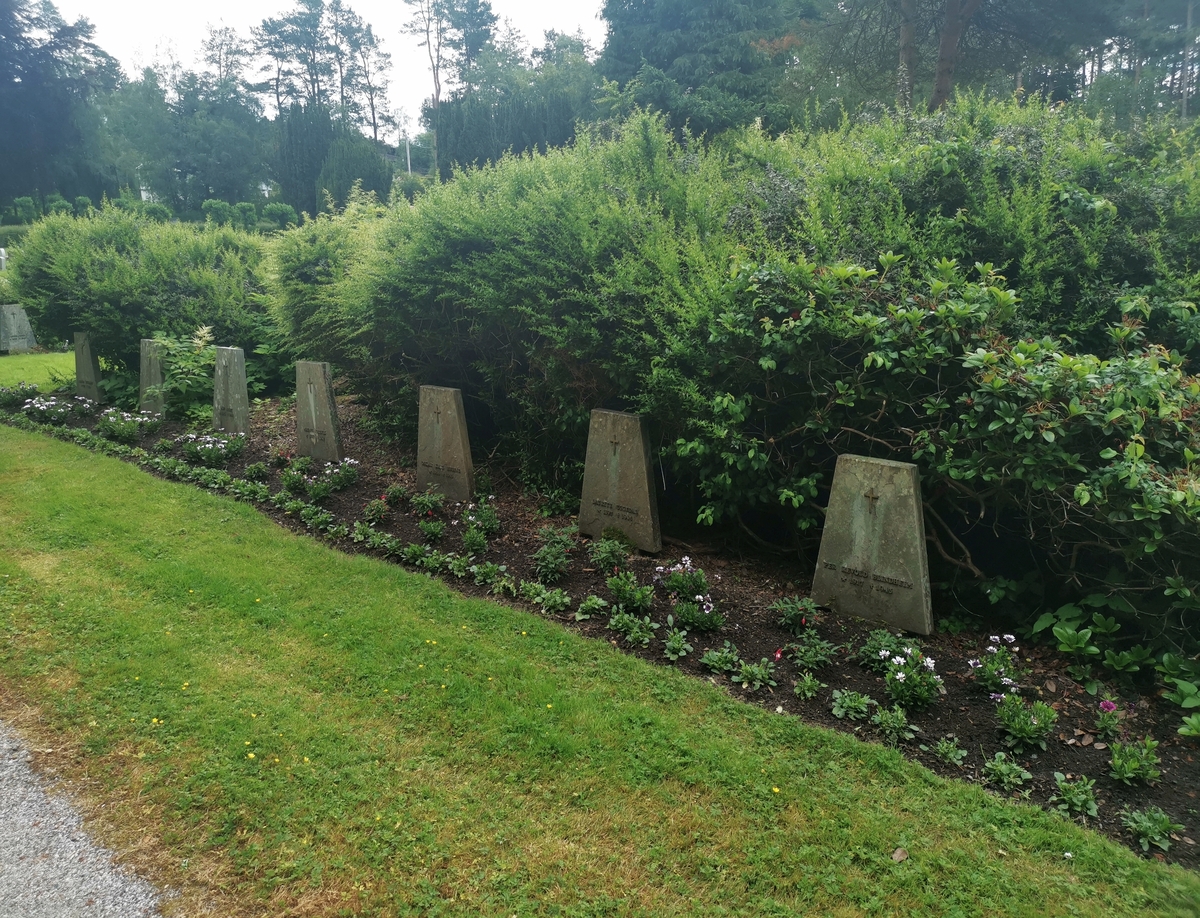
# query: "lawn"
43,370
306,732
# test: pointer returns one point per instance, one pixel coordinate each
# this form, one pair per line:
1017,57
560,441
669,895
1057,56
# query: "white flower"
995,639
929,663
883,654
1068,855
897,661
1010,638
900,676
974,664
779,709
908,651
992,649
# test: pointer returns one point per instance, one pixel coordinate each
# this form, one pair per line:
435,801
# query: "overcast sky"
137,32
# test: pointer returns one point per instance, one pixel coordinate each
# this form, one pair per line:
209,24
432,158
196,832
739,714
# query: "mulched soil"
744,585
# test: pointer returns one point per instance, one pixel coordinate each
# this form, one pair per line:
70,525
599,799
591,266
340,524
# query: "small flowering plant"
124,427
57,411
688,588
998,670
1108,719
375,511
210,451
1025,725
910,680
18,395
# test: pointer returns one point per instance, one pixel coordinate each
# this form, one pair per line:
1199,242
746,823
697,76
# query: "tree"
50,73
353,159
371,65
305,133
227,54
429,24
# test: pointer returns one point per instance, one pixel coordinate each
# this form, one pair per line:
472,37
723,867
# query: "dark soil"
745,584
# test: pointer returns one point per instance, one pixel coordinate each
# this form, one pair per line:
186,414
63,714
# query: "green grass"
417,753
45,370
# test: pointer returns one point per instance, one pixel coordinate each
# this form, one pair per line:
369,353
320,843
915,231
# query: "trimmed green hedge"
122,277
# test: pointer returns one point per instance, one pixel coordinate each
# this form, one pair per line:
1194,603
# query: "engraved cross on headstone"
873,498
616,444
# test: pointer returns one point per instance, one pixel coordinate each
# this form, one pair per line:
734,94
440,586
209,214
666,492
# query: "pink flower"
1107,707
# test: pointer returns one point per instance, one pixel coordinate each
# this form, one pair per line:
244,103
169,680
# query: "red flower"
778,654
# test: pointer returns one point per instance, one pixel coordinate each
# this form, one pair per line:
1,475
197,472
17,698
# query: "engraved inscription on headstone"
231,402
443,446
16,334
87,369
151,377
618,489
317,431
872,561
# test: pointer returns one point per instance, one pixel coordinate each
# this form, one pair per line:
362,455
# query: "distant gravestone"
317,431
16,334
872,562
87,369
151,377
3,260
231,403
443,446
618,489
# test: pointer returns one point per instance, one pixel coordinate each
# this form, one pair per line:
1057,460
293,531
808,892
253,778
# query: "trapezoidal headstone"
618,490
872,562
150,377
87,369
16,334
443,446
317,432
231,401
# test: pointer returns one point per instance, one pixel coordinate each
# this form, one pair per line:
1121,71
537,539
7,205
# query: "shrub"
699,616
210,451
474,541
124,277
553,559
592,605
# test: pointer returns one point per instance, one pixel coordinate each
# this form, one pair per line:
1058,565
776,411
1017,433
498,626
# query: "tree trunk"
908,53
1187,61
958,14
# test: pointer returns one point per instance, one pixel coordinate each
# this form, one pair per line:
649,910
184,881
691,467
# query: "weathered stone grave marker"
317,431
3,260
87,369
151,377
443,446
231,403
618,490
16,334
872,561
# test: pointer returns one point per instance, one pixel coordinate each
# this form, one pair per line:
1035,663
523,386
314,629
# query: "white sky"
139,32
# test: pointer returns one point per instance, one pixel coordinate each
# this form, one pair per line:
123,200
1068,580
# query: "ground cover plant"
417,750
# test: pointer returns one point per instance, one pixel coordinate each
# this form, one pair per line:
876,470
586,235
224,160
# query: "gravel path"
49,868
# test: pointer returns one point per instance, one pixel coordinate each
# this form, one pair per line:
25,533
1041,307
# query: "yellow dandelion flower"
247,742
776,789
249,755
549,705
306,758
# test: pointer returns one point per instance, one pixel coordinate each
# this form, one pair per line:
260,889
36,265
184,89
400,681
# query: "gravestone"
151,376
231,403
16,334
87,369
317,431
3,260
443,446
872,561
618,490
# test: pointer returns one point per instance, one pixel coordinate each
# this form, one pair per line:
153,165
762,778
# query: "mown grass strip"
351,738
43,370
